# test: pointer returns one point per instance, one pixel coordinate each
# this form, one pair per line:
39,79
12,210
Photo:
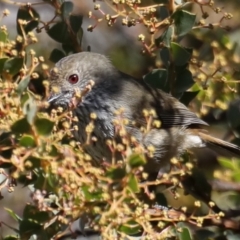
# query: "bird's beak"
53,97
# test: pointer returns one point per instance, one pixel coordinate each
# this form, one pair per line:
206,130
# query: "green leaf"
30,15
165,38
133,183
66,9
204,234
185,234
157,78
184,21
59,32
184,80
33,213
43,126
3,36
89,195
136,160
56,55
22,86
68,48
187,97
13,214
227,163
161,199
130,228
116,173
180,55
2,62
76,22
27,141
165,56
232,112
11,238
35,163
28,227
236,176
13,65
21,126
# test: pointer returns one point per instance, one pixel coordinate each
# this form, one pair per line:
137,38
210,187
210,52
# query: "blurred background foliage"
187,48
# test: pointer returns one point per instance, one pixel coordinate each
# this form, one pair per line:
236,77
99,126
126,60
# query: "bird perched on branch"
179,128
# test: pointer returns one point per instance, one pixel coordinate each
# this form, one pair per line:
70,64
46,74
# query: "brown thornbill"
179,128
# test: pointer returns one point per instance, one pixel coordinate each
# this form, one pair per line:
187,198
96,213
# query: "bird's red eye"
73,78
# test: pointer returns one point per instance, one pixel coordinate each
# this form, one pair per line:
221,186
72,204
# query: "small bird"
179,129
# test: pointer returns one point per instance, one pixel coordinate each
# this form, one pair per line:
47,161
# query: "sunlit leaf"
27,141
44,126
136,160
133,183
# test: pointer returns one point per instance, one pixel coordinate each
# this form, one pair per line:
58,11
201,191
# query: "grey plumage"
180,128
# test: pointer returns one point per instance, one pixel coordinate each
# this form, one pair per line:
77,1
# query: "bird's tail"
220,146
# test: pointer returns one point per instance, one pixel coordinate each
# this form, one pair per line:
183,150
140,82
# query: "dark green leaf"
76,22
180,55
13,65
197,185
133,183
3,36
21,126
204,234
157,78
68,48
161,199
66,9
136,160
2,62
184,80
187,97
42,182
165,38
116,173
30,15
27,141
59,32
34,163
33,213
130,228
232,112
5,140
22,86
184,21
54,151
56,55
27,228
165,56
43,126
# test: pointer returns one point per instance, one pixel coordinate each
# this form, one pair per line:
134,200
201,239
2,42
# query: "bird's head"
73,73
